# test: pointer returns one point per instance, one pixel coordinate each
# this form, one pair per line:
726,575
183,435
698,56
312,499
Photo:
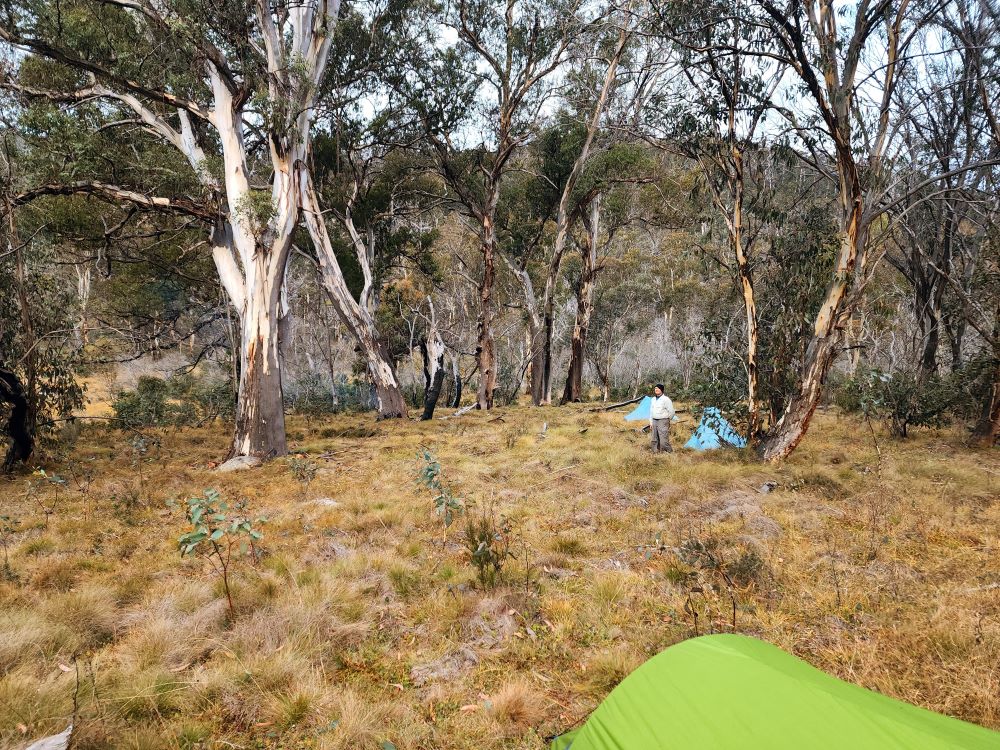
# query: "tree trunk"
18,428
456,374
30,360
749,302
823,348
432,348
357,318
485,344
433,354
987,431
536,381
584,308
260,414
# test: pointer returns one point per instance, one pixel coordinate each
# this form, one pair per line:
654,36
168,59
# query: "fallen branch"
635,400
460,412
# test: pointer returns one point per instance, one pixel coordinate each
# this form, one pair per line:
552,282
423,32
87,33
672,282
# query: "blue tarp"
712,431
641,411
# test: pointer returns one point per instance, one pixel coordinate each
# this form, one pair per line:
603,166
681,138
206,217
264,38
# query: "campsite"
477,375
366,622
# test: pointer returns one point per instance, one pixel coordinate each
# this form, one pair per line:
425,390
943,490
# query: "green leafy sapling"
217,534
9,525
446,504
304,470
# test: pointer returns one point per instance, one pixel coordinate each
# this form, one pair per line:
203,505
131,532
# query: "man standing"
661,411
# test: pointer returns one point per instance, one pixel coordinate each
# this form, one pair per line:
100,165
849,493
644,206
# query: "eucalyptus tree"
231,86
480,100
364,124
39,354
717,115
849,65
611,41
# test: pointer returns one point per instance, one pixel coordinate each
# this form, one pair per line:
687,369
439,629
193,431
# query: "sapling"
304,470
446,504
8,527
48,504
488,542
217,535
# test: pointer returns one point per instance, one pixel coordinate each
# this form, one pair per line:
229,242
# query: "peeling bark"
584,307
357,318
432,349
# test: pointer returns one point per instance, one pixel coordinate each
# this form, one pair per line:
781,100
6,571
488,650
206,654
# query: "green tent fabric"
731,692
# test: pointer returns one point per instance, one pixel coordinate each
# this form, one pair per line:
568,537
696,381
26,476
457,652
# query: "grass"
364,622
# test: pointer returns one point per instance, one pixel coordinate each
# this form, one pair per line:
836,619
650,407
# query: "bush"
146,406
901,399
315,395
182,400
488,542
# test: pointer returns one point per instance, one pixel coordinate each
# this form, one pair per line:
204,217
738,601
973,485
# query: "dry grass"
363,624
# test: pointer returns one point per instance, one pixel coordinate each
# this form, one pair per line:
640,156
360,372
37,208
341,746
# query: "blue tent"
641,411
712,431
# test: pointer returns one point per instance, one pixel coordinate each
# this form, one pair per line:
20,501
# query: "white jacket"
661,408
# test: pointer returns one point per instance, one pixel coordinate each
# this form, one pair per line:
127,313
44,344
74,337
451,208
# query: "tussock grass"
364,623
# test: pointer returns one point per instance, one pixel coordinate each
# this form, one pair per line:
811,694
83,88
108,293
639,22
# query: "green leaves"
446,504
210,522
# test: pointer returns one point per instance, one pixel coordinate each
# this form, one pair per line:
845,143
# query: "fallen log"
635,400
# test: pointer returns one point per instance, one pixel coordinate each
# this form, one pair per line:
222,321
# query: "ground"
364,625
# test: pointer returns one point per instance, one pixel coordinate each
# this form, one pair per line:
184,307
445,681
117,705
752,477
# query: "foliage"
446,504
901,398
9,525
180,401
46,356
304,470
217,534
146,406
314,395
488,541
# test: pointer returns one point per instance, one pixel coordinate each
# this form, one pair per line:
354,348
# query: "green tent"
731,692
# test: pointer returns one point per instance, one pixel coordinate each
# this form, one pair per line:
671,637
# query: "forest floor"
363,624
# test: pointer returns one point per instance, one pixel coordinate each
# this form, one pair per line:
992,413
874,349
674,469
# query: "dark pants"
659,436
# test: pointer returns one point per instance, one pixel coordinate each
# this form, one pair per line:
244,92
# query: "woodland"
406,261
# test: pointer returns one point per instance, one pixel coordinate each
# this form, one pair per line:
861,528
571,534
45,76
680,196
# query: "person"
661,411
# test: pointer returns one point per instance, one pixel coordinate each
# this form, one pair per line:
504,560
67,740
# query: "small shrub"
304,470
217,534
747,569
179,401
488,542
49,503
9,525
901,399
446,504
146,406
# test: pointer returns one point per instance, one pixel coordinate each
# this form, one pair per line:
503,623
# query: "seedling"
217,535
304,470
8,527
488,541
47,505
446,504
